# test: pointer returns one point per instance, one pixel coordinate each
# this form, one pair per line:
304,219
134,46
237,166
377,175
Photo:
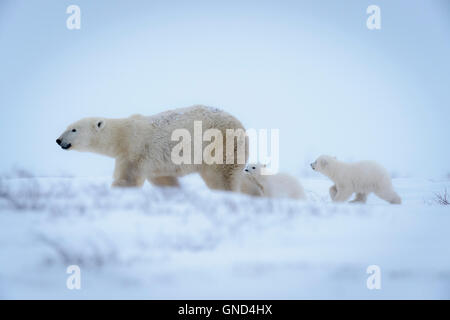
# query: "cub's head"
322,164
254,169
82,135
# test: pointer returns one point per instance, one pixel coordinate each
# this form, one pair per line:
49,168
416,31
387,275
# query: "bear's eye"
74,130
253,168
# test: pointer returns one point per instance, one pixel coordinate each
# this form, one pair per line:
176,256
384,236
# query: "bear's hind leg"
232,180
212,178
223,177
164,181
360,198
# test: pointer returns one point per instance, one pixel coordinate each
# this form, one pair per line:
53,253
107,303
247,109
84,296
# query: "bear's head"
322,163
83,135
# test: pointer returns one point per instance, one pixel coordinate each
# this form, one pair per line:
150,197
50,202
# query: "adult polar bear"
361,177
142,146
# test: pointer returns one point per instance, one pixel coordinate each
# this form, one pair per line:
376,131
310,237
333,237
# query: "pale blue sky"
309,68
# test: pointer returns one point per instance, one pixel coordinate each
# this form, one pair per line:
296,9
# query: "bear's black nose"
246,170
58,141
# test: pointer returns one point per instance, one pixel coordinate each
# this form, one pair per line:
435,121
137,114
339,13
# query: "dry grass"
91,255
27,193
442,198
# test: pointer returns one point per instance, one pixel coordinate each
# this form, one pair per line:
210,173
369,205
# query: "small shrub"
442,198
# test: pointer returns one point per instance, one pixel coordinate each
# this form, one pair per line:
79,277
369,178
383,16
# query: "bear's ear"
100,124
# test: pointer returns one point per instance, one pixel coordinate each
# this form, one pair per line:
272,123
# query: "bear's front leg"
128,174
333,191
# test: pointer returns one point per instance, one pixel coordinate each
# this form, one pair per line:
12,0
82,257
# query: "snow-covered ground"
193,243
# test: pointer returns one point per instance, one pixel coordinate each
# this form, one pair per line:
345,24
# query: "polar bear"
143,146
280,185
361,177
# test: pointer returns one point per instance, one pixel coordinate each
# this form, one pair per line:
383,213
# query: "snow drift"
194,243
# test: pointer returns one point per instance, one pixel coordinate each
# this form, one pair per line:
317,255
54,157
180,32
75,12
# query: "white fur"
280,185
142,146
361,178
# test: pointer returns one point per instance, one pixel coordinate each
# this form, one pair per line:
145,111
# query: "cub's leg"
164,181
342,194
360,198
128,174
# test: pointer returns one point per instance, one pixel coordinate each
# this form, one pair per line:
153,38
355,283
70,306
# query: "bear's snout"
63,145
312,166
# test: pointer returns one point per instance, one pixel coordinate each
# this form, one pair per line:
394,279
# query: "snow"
194,243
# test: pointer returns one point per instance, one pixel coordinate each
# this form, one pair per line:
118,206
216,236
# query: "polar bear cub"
361,177
280,185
